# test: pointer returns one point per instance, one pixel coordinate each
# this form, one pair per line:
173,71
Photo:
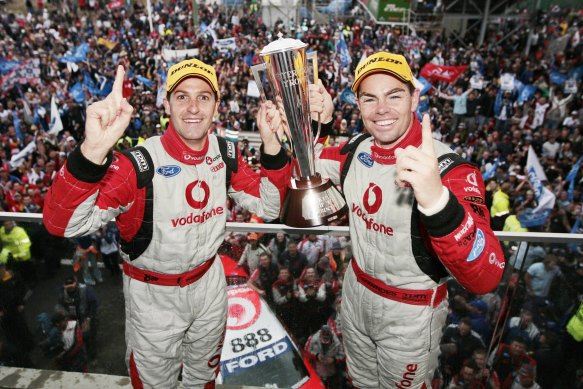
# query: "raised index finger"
117,89
427,139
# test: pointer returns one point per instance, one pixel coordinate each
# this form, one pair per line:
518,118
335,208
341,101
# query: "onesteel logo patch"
365,159
168,170
141,160
478,246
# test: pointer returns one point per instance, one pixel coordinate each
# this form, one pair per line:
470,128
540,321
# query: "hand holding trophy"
311,201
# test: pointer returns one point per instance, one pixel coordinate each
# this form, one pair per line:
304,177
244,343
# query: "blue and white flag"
78,55
576,73
557,78
77,93
544,197
146,81
7,65
490,172
227,44
423,85
90,85
348,96
342,50
571,178
18,159
56,125
526,92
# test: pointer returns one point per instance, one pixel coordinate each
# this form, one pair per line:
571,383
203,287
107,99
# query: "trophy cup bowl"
311,201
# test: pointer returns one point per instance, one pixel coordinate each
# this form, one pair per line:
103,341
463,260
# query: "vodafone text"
370,223
195,219
408,377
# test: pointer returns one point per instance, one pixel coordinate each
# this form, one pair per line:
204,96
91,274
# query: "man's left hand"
417,168
320,103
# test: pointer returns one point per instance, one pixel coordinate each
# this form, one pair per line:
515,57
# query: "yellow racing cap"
383,62
191,68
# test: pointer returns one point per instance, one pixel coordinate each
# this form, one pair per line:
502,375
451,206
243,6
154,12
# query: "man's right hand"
106,122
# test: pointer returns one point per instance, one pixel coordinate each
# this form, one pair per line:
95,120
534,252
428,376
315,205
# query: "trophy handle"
256,69
262,67
313,56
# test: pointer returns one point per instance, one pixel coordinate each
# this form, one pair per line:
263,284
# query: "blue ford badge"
168,170
365,159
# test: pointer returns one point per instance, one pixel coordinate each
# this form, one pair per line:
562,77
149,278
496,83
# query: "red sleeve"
461,235
85,196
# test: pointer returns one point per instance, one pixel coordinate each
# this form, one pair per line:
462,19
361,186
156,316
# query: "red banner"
115,4
444,73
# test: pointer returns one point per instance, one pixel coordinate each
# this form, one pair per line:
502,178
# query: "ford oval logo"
365,159
168,170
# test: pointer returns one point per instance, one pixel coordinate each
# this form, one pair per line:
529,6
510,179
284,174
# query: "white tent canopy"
285,10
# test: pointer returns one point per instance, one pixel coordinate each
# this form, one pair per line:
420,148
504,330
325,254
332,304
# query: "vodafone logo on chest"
373,198
197,194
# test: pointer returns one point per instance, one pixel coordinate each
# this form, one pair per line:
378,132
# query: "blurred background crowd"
511,105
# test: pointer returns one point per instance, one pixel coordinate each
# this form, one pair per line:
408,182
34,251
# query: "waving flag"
423,85
145,81
444,73
77,93
526,92
544,197
7,65
490,172
557,78
27,112
348,96
342,50
18,158
107,43
56,125
571,178
26,73
78,55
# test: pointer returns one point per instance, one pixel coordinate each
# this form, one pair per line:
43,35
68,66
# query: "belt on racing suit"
181,280
431,297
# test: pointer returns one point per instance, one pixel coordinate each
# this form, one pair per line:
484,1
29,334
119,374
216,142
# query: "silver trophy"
311,201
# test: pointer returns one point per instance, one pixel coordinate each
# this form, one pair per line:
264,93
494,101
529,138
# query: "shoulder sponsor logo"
444,164
471,179
469,224
365,159
168,170
478,246
494,261
478,210
475,200
141,160
231,152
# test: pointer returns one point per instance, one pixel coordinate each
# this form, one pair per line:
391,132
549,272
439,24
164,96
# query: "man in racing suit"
169,200
417,215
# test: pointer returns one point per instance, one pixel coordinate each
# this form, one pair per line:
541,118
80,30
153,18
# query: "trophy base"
310,202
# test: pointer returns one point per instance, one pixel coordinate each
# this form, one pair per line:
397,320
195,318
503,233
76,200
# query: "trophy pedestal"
311,202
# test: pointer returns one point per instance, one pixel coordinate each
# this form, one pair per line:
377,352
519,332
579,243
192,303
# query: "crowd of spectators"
72,49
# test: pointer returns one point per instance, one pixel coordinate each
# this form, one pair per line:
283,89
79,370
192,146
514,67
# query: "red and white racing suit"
171,228
394,303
